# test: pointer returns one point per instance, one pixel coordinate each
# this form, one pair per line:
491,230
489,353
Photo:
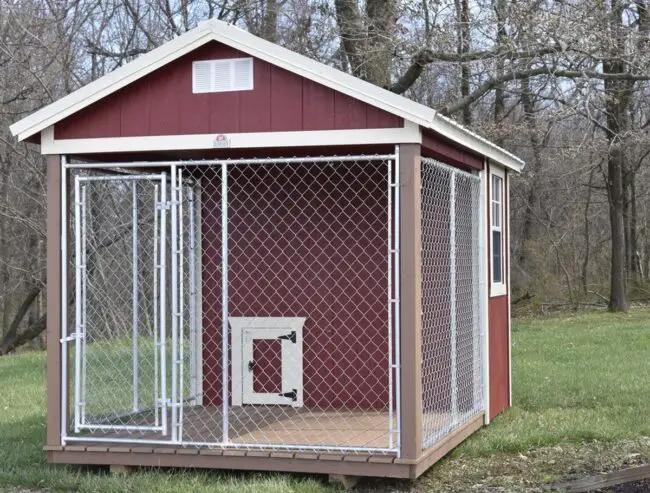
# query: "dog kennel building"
256,261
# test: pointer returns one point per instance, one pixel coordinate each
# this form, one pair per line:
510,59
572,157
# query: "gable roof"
215,30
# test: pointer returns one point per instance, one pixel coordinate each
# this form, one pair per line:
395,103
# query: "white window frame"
498,288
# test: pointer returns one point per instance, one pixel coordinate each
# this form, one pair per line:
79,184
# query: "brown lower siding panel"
432,455
275,464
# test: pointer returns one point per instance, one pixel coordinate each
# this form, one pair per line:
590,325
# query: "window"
497,233
233,74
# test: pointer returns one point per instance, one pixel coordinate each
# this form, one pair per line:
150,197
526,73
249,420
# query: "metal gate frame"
176,178
159,303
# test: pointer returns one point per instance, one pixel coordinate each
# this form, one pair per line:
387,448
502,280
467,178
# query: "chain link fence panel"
301,362
452,346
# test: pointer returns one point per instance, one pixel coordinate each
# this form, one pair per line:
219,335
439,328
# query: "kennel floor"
272,425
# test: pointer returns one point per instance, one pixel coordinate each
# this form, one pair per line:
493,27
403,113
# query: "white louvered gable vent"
233,74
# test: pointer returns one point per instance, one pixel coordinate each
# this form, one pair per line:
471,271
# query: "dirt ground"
637,487
533,472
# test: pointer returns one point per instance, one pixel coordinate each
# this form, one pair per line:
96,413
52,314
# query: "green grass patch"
577,377
581,389
22,460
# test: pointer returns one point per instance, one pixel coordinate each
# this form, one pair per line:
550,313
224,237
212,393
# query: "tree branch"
9,340
426,56
490,84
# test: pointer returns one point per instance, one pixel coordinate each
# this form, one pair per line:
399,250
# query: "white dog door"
267,360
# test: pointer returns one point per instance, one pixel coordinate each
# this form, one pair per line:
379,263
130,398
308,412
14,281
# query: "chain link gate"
246,304
452,287
120,358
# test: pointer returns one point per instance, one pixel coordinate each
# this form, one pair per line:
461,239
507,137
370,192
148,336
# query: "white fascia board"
49,145
115,80
457,133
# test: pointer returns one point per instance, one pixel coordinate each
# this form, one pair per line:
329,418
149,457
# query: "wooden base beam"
342,469
330,465
446,445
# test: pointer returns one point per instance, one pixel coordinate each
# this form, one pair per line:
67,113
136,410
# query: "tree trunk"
4,254
532,205
627,225
368,39
635,258
617,296
462,11
585,261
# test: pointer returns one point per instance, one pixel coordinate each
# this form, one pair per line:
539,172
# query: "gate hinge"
293,395
164,205
289,337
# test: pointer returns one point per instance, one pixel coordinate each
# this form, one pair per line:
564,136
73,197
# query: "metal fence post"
84,300
397,296
391,296
181,295
78,322
175,310
135,294
64,298
163,302
452,301
192,295
156,337
224,302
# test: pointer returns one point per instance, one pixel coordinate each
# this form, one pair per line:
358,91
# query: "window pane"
497,200
496,215
496,188
497,257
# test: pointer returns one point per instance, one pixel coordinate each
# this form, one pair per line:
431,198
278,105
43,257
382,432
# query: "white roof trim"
457,133
110,83
303,66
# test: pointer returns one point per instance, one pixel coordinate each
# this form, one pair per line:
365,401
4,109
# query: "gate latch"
289,337
293,395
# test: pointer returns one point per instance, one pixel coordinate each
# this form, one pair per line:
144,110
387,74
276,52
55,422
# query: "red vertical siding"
318,107
499,363
302,244
163,116
162,103
349,113
434,146
255,107
134,118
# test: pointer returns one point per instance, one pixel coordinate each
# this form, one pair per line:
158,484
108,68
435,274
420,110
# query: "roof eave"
102,87
457,133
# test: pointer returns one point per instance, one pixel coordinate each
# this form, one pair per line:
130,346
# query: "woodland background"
561,83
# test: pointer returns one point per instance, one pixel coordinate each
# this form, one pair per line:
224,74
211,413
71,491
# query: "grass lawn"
581,391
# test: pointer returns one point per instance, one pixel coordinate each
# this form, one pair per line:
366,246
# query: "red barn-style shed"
273,266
